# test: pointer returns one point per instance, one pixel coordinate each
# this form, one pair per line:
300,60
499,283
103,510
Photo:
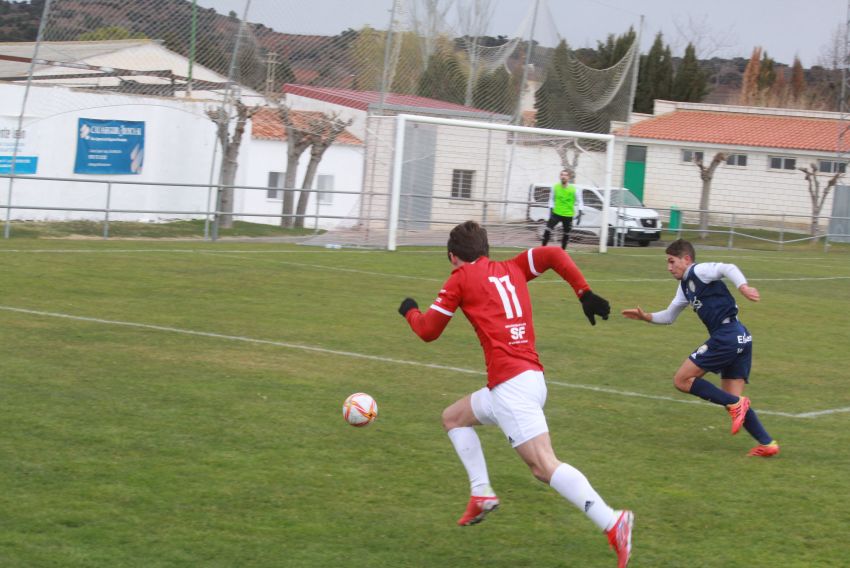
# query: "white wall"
344,163
358,117
180,145
179,142
747,191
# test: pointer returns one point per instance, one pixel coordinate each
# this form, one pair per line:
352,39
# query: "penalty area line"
314,349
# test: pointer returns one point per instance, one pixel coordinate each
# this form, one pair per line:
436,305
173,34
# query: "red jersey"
494,298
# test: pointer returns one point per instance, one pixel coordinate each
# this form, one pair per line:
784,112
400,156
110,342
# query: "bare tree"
429,22
474,21
569,152
707,41
323,131
817,196
230,144
297,141
831,54
706,173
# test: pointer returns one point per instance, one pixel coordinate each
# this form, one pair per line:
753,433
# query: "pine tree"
550,100
655,76
443,79
798,80
690,81
613,50
767,72
495,92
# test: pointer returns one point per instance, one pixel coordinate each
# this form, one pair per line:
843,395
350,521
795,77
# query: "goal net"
445,171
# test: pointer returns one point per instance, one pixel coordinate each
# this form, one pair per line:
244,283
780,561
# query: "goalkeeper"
494,298
564,204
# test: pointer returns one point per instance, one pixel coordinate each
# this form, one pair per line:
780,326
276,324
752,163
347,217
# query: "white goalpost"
446,170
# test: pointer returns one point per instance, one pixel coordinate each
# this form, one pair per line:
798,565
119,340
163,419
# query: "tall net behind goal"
445,171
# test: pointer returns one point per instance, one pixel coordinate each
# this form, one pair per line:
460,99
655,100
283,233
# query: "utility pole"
193,32
844,118
271,71
530,48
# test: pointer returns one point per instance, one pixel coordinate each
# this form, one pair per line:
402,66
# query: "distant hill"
321,60
19,21
170,21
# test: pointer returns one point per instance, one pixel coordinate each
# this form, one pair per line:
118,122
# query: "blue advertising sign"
109,146
23,164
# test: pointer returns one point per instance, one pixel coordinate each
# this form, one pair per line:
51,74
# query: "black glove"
594,305
408,304
578,218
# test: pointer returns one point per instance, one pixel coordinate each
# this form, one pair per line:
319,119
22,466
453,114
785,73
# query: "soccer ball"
359,409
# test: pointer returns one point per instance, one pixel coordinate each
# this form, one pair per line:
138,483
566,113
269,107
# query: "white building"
764,148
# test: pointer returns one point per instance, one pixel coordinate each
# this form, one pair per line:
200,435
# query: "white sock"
575,488
468,448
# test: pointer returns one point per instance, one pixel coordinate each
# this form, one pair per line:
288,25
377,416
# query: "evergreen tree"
690,82
767,72
664,87
613,50
798,80
443,79
495,92
655,76
550,100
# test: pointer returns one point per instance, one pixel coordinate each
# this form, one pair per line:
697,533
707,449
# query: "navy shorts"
728,352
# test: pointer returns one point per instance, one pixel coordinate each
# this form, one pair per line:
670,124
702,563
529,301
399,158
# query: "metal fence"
108,205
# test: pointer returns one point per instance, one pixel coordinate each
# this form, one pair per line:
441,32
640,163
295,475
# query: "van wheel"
643,243
610,236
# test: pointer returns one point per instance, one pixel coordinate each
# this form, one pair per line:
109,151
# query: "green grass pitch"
169,403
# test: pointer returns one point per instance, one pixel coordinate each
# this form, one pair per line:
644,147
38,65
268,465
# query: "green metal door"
635,171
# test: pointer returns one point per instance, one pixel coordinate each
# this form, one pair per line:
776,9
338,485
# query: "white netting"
189,70
451,172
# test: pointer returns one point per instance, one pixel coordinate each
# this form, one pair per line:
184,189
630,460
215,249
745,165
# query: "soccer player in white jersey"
729,349
494,298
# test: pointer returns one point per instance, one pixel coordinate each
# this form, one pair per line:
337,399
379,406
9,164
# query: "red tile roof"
267,125
742,129
362,99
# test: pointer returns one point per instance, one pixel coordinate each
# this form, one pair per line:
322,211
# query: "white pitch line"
549,281
813,414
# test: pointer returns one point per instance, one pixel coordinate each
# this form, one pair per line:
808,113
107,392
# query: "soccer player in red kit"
494,298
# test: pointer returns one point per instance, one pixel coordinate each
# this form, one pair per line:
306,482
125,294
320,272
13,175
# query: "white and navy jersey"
708,296
703,289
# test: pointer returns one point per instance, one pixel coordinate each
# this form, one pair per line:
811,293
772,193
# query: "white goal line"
315,349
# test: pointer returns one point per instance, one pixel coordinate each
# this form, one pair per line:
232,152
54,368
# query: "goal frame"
398,153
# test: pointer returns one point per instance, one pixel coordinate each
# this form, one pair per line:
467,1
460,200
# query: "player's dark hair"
681,248
468,241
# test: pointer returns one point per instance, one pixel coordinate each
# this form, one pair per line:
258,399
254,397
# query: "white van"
635,223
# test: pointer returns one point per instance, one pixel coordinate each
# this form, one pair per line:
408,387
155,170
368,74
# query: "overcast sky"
725,28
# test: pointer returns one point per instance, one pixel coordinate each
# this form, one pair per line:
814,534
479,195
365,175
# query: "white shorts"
515,405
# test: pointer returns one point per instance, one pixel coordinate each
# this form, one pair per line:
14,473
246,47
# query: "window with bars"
462,183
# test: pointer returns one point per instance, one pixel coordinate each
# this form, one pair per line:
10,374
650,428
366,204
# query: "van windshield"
624,198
